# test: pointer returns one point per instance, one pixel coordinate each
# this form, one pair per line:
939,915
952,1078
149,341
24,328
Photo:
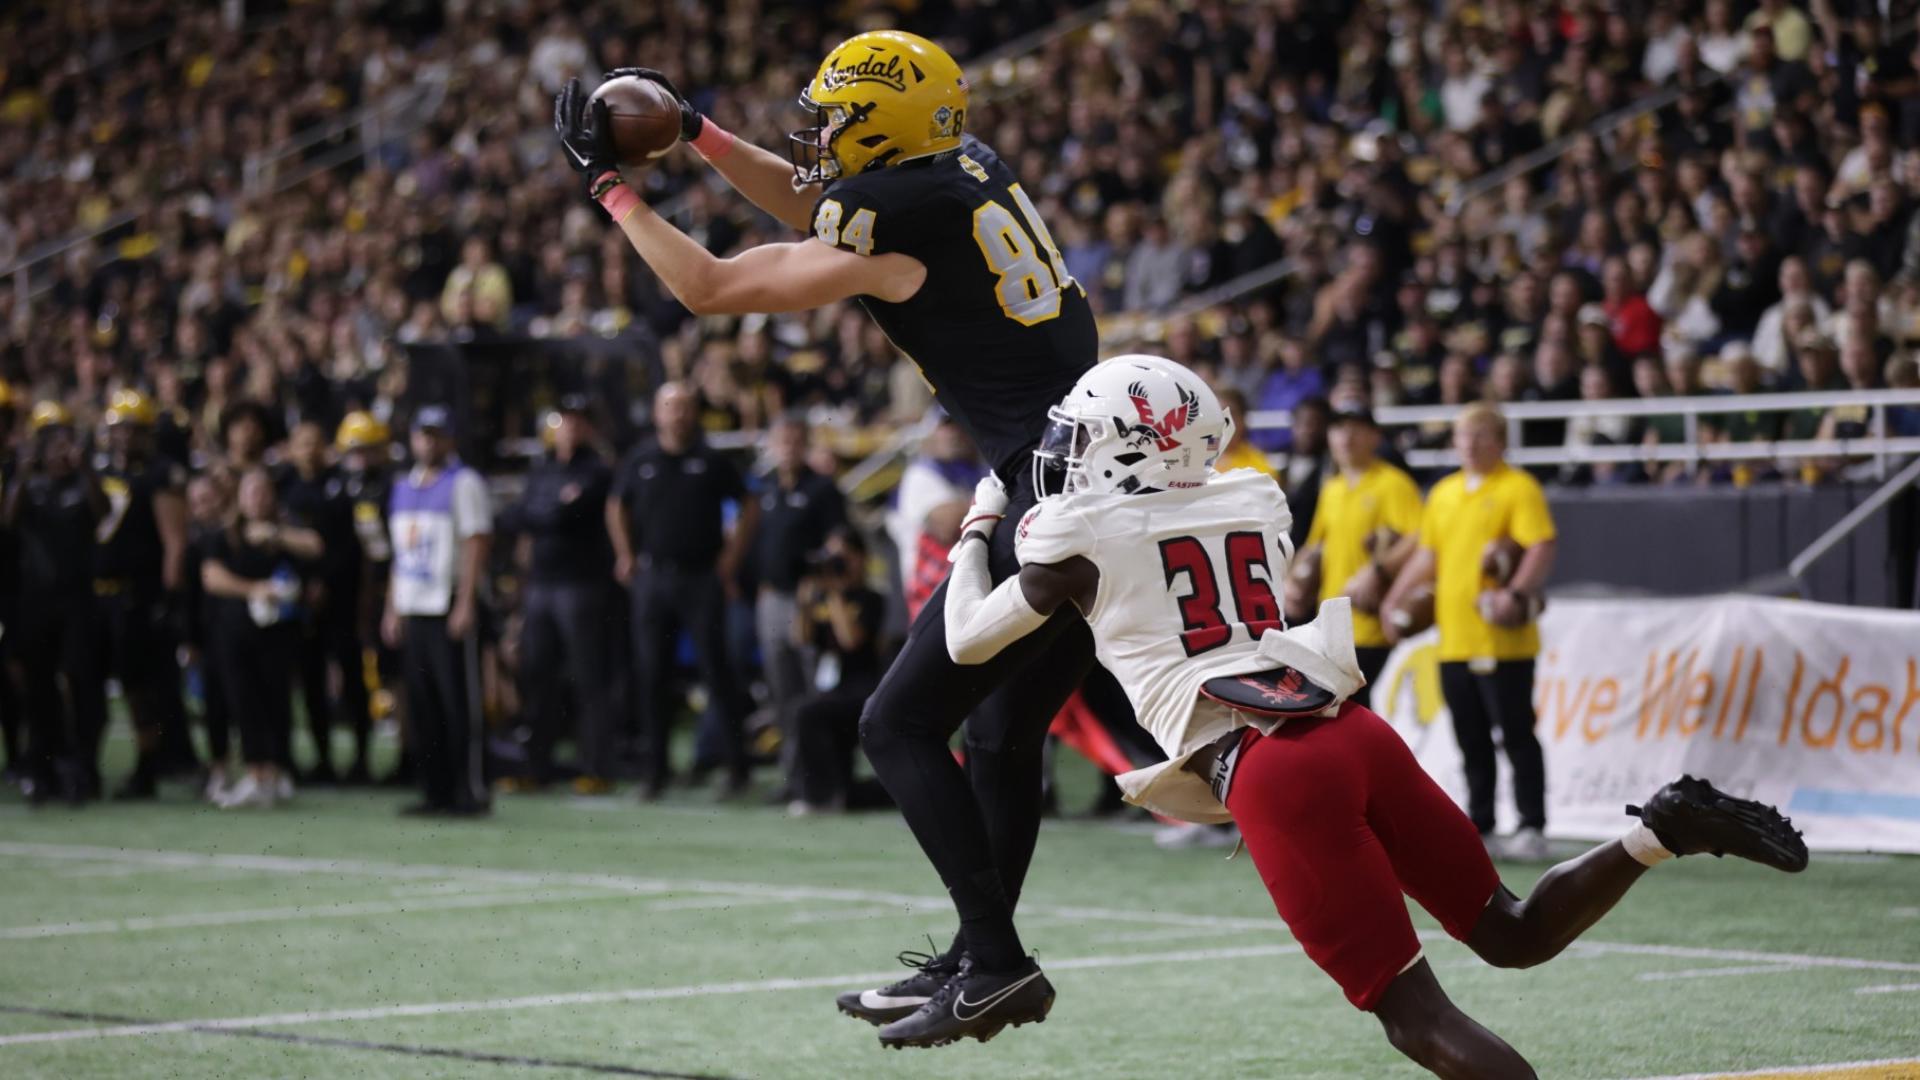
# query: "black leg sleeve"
1512,689
1473,729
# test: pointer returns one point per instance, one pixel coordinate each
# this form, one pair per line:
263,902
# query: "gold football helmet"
879,99
50,414
131,407
360,430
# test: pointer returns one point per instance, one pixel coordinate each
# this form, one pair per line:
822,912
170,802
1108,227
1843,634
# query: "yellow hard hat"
879,99
131,407
49,414
359,430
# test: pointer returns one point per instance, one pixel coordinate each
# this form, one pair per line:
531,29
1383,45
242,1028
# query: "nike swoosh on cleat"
874,999
981,1007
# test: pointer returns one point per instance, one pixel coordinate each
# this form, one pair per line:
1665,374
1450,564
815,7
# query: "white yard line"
859,914
1720,972
1890,988
348,910
1796,1070
1684,952
657,886
279,864
710,903
603,997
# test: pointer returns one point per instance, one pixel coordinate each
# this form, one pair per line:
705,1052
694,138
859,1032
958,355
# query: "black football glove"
582,126
690,120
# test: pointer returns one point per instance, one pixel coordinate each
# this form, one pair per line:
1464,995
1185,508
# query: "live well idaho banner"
1812,707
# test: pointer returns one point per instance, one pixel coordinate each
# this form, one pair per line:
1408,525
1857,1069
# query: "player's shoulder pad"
1052,531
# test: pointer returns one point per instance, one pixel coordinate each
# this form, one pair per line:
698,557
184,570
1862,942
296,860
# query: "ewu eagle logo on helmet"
1160,432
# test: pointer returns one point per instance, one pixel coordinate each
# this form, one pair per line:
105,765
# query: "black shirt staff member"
138,570
563,636
670,544
52,508
788,521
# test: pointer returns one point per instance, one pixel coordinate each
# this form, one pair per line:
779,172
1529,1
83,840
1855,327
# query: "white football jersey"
1189,581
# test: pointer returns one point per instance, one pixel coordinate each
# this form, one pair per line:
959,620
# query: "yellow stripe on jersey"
1349,511
1460,521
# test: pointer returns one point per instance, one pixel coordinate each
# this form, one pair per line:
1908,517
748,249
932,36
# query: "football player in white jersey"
1173,565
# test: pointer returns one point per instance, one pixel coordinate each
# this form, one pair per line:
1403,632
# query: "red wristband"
618,199
965,525
714,142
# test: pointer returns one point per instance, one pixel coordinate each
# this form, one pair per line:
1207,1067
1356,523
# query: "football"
1414,613
1301,591
644,119
1500,559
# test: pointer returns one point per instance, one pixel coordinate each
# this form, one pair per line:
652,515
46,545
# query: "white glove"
989,506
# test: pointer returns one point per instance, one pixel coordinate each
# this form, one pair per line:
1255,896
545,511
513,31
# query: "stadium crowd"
243,315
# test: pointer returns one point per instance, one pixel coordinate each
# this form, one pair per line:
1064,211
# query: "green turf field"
570,937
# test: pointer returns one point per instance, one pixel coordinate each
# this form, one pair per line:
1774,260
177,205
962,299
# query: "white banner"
1812,707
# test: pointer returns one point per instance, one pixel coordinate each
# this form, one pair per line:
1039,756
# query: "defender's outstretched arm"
982,620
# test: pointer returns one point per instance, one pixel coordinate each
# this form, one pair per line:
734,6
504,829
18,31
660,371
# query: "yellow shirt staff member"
1239,453
1366,526
1488,642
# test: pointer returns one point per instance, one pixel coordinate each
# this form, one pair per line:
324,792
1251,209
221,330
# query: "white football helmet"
1134,423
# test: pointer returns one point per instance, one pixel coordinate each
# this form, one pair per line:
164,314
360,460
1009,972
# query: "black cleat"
974,1004
904,998
1691,817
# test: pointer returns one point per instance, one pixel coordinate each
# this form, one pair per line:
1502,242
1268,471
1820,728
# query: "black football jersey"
129,536
1000,329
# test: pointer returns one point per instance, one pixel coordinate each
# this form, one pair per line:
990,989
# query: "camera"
826,564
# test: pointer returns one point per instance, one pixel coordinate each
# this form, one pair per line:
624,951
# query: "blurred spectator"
1291,383
52,507
251,577
836,617
1307,463
1796,291
329,648
209,502
941,476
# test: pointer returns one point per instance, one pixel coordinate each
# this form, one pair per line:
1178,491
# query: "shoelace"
915,959
944,996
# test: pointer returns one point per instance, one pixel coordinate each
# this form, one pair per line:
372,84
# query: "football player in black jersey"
139,564
931,232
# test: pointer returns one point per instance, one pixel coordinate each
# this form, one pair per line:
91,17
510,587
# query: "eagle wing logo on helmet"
1161,431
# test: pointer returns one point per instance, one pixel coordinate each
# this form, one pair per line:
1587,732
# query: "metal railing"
1876,444
1599,127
